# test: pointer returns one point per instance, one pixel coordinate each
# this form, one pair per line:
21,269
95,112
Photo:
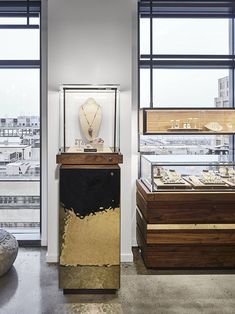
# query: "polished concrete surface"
31,287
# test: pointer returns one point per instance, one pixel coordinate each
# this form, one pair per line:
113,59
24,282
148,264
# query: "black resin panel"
88,191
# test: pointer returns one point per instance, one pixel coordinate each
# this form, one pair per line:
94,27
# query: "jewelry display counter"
181,225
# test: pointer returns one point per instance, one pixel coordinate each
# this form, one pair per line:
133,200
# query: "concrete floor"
31,287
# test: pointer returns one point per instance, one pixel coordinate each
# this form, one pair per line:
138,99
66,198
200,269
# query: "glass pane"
144,88
191,88
20,150
190,36
34,20
220,146
144,36
13,21
19,44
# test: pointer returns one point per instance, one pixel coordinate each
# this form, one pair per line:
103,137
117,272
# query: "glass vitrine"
89,118
190,173
184,121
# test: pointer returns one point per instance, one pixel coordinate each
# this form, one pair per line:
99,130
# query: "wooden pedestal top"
89,158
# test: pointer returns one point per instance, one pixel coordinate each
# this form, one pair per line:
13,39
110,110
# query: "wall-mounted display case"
89,118
190,173
184,121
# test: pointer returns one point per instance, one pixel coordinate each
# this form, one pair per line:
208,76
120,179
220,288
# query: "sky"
19,88
182,87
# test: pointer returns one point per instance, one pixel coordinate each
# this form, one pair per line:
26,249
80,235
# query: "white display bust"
90,116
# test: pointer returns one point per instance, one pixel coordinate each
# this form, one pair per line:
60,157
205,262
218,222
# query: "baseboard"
43,242
53,258
134,242
125,258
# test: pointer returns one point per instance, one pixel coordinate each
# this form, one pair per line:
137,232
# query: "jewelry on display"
209,177
229,126
79,142
172,177
195,122
190,122
231,172
177,124
224,171
214,126
157,172
90,130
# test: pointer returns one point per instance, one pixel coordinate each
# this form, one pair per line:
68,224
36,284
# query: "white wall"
91,42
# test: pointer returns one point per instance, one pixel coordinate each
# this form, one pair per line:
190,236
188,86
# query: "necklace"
90,130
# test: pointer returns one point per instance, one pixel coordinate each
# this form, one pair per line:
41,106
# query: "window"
182,47
186,60
20,98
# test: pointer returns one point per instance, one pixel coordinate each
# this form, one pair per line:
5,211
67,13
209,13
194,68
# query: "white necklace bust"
90,116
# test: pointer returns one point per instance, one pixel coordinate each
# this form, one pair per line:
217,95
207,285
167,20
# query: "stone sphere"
8,251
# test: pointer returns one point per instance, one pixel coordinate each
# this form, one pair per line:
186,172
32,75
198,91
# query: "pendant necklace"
90,130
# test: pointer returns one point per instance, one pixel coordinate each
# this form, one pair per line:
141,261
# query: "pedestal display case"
89,216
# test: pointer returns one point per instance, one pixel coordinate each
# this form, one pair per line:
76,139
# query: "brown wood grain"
187,211
89,167
142,224
187,255
187,246
89,158
191,237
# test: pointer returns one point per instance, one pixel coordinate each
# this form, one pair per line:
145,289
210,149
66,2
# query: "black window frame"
25,9
187,9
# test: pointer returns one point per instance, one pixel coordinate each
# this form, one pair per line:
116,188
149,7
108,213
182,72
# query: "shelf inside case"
192,173
187,121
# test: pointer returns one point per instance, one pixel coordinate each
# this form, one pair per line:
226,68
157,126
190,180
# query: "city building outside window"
20,118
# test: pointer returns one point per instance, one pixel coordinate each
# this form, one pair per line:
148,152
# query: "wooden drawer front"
142,204
89,158
187,255
186,212
185,233
190,212
191,237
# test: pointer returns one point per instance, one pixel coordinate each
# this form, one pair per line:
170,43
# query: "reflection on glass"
218,145
144,36
191,88
20,44
144,88
190,36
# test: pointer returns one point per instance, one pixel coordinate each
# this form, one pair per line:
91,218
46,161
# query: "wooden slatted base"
179,231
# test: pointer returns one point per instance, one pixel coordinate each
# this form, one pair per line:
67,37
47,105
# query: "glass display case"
191,173
184,121
89,118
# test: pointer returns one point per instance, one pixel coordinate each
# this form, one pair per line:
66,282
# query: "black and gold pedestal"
89,222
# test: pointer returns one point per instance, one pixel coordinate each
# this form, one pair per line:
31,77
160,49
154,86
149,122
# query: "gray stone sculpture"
8,251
